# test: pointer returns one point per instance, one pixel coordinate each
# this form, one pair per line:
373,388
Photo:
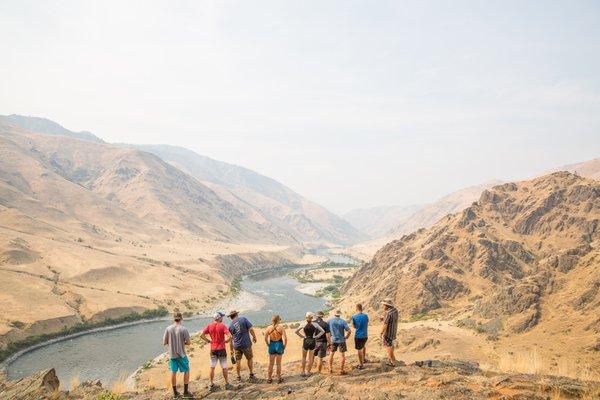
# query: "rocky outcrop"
422,380
500,259
41,385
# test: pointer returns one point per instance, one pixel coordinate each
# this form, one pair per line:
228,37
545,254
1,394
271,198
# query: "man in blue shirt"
340,331
240,330
360,321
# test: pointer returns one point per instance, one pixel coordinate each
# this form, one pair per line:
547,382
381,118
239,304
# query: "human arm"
348,331
253,333
203,336
386,321
284,337
166,338
320,329
267,332
297,332
186,338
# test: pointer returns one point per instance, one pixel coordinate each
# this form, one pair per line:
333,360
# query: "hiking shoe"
280,380
270,380
176,395
303,374
228,386
211,387
188,395
343,373
360,367
252,378
239,378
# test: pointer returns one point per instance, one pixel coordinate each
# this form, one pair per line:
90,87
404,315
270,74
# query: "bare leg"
225,375
250,366
311,360
278,361
343,361
186,377
271,362
331,362
212,375
174,379
319,364
304,354
390,353
238,367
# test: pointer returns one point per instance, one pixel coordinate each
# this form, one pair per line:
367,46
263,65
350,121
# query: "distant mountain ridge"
261,197
377,221
44,125
277,212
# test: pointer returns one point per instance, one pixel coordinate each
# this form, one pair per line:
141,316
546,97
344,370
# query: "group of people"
320,339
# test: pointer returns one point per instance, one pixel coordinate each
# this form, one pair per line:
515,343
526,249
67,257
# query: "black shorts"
321,349
341,346
309,344
218,353
359,343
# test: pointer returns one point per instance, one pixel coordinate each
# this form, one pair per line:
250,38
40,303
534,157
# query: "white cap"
218,315
309,315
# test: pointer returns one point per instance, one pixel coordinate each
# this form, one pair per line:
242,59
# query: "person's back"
217,331
323,324
239,329
338,329
176,335
361,323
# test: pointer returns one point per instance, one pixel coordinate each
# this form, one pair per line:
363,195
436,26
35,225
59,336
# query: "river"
115,354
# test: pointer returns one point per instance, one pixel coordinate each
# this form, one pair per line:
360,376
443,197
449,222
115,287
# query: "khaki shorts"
245,352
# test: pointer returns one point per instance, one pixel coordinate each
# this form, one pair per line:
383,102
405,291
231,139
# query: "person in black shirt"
310,333
323,342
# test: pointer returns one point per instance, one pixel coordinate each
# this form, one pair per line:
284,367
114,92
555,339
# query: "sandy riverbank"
311,288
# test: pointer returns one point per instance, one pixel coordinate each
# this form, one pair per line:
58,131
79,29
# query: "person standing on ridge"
389,329
241,329
340,331
312,331
219,335
177,336
360,321
323,342
276,341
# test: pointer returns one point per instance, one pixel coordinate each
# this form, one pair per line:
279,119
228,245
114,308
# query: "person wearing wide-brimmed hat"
389,329
241,345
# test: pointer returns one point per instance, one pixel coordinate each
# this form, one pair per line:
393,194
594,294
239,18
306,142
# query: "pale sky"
350,103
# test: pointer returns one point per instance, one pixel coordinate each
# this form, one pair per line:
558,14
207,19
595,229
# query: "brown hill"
589,169
523,259
90,231
261,198
429,214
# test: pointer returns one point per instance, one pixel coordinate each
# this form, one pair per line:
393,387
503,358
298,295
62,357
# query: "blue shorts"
276,347
179,364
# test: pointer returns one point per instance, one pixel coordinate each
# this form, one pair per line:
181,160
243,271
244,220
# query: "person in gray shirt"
177,337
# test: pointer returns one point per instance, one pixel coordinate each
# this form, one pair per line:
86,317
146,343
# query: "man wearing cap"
340,331
219,335
323,342
389,329
241,329
177,337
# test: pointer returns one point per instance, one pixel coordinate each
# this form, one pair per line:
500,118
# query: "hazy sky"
351,103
